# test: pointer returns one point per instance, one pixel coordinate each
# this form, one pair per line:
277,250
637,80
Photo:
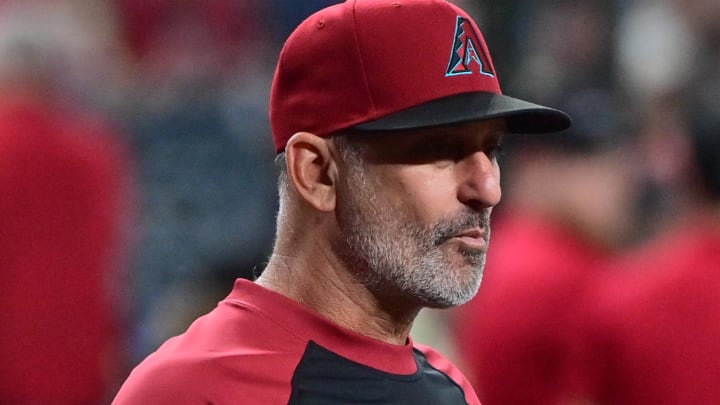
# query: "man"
654,325
387,117
65,187
66,200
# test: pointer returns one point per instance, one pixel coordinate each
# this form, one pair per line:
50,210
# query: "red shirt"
656,326
62,204
259,347
519,336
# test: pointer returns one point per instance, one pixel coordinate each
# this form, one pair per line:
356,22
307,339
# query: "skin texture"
374,227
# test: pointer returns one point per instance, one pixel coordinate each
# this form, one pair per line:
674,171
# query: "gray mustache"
447,229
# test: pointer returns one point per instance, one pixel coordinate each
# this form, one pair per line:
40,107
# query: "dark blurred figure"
197,114
567,208
64,211
655,323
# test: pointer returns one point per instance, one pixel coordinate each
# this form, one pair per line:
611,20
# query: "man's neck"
322,284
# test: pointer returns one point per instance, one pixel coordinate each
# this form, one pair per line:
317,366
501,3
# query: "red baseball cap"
390,65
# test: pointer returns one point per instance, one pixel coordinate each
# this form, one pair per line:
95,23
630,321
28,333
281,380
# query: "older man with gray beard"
387,119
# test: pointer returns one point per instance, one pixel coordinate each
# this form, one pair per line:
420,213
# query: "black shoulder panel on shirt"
323,378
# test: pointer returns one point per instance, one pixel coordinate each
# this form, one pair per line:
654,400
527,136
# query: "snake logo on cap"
467,51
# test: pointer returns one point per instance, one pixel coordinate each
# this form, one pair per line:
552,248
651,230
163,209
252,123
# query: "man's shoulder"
210,378
225,353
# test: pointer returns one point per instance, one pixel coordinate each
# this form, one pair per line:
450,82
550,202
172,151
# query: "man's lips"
473,238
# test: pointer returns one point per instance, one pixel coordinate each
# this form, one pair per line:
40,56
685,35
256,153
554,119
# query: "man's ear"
312,170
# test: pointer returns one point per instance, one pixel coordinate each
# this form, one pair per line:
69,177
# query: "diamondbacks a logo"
467,52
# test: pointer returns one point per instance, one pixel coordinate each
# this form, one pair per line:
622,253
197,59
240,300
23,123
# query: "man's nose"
479,180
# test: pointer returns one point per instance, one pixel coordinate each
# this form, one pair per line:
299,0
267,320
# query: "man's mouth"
473,239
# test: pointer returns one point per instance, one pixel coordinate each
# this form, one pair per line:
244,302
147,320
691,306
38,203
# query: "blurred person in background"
65,205
653,325
568,207
654,321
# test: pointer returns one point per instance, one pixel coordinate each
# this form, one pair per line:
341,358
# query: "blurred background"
137,180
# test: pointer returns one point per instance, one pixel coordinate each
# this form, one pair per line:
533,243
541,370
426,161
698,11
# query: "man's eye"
442,150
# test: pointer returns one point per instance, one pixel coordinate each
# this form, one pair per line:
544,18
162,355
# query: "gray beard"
390,254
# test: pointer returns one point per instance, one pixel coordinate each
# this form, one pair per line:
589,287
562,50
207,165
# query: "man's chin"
452,297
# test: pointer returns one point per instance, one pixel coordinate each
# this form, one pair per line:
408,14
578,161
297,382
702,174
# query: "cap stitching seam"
362,61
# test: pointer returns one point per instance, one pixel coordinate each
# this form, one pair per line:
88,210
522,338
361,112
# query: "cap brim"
522,116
